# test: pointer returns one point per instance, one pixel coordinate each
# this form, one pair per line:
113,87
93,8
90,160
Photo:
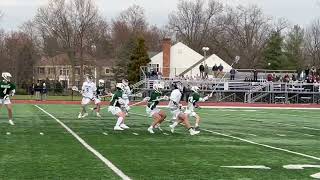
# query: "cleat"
79,116
118,128
193,132
197,128
85,115
171,128
150,129
98,115
123,126
11,122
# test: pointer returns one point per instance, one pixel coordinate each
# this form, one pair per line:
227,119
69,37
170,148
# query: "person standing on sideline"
201,69
232,73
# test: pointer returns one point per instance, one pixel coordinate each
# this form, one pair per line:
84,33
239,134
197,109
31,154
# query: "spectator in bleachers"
313,71
206,71
215,70
307,71
270,77
220,70
255,75
293,77
232,73
286,78
201,69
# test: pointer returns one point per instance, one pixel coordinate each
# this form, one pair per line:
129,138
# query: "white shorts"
97,100
5,101
114,110
85,101
126,101
190,113
176,113
152,112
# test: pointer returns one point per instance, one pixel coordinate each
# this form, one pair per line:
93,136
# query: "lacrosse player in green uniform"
7,89
116,108
153,111
99,94
192,104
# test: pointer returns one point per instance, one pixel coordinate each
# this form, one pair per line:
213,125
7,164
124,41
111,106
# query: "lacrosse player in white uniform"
125,96
177,109
88,91
7,89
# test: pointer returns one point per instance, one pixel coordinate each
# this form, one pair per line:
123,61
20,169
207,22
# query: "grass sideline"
25,154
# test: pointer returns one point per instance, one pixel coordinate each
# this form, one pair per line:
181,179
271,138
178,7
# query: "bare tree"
246,30
135,18
69,22
312,42
194,20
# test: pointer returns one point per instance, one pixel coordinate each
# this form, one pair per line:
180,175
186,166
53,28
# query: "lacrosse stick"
136,95
144,100
75,88
236,60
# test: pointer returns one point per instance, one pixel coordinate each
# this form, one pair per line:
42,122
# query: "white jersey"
89,89
126,93
175,97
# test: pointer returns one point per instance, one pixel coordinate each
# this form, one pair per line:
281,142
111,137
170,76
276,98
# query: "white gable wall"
182,57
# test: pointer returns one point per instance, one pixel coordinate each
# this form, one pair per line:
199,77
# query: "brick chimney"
166,46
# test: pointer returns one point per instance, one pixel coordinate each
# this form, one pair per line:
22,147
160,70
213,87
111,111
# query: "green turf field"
229,137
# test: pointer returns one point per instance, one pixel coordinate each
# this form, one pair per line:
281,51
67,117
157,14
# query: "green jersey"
100,91
6,88
195,97
154,99
115,98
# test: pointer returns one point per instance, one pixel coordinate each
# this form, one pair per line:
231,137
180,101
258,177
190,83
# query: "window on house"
107,71
51,71
41,70
64,72
77,71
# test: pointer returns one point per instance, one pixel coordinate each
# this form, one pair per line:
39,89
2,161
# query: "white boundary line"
88,147
264,145
255,143
248,107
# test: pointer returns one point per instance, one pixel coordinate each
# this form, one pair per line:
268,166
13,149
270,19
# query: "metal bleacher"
245,91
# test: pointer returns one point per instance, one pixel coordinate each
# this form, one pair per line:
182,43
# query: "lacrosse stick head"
237,59
74,88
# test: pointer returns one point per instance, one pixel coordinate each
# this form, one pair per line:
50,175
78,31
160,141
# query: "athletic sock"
119,121
197,124
175,124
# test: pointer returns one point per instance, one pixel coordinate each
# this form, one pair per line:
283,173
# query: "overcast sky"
296,11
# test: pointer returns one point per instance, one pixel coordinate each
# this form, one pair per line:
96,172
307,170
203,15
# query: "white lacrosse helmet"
89,78
101,82
178,85
125,82
6,76
195,89
120,86
158,87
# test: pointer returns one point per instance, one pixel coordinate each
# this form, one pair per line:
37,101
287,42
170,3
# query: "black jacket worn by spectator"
201,68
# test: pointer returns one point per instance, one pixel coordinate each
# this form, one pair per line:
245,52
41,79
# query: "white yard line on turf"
238,107
88,147
264,145
252,142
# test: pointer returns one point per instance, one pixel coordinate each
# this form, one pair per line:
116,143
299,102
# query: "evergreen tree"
273,55
293,47
123,59
138,58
